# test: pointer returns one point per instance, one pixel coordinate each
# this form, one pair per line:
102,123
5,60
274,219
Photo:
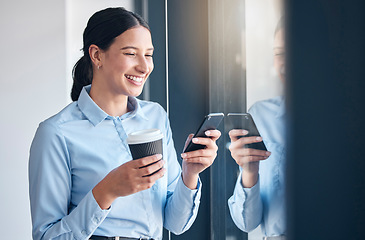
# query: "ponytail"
82,75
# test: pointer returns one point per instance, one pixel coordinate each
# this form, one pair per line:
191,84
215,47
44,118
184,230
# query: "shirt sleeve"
50,191
245,206
182,203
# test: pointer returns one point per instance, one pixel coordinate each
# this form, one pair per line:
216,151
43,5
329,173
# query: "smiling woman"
105,45
122,69
82,182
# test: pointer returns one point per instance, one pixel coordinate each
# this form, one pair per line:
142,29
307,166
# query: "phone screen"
210,122
245,121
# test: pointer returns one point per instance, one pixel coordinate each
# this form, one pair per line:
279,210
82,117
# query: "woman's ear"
95,54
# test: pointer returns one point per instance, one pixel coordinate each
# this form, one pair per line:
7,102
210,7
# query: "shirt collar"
135,108
282,107
96,115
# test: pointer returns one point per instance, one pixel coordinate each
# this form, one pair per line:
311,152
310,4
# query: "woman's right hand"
130,177
248,158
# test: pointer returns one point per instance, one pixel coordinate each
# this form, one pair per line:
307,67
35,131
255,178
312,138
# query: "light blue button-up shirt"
264,203
75,149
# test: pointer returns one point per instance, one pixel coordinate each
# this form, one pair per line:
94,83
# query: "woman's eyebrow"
135,48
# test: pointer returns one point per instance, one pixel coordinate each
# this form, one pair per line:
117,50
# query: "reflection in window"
259,197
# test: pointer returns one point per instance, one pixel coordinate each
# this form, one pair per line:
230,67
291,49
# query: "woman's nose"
142,65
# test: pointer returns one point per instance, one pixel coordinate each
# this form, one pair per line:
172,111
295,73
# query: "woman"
82,182
259,196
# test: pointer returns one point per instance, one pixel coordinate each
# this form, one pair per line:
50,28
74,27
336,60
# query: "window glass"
265,77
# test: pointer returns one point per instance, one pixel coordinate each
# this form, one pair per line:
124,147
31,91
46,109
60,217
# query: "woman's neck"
113,105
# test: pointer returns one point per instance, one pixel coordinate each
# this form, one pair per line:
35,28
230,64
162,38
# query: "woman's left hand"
197,161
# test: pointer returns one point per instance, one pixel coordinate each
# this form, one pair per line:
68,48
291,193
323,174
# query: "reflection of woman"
82,182
258,197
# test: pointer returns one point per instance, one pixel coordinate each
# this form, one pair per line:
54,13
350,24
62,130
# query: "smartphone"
210,122
245,121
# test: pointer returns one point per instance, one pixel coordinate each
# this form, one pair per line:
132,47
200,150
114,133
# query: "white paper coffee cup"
145,143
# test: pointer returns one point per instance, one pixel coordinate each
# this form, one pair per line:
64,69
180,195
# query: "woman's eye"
279,54
130,54
149,55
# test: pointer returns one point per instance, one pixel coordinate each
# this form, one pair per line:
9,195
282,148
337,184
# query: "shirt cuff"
189,201
242,194
245,206
86,217
187,195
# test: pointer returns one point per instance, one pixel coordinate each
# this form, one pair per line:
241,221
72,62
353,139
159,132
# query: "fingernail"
183,155
259,139
159,156
195,140
207,133
268,153
244,132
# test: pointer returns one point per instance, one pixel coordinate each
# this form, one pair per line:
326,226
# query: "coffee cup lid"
143,136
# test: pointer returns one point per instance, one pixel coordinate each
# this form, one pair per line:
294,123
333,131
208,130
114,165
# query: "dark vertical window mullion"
141,7
188,89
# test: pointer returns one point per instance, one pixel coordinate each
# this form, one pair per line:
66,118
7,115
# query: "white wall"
34,84
32,80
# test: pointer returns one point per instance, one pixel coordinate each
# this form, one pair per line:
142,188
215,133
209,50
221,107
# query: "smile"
134,78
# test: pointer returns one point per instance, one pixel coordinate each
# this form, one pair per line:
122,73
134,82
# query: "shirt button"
97,217
83,232
154,187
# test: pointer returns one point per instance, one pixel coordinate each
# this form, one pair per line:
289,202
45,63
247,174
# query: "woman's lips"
137,80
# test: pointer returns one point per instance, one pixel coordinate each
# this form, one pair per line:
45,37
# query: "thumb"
188,139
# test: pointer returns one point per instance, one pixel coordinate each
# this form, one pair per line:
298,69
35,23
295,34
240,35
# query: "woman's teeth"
137,79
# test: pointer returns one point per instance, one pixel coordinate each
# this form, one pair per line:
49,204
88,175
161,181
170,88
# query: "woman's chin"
135,93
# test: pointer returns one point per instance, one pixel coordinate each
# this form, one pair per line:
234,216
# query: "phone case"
245,121
210,122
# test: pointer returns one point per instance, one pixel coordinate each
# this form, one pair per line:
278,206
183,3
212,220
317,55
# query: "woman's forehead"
137,37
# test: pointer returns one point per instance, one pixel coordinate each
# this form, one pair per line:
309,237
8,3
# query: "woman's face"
128,62
279,54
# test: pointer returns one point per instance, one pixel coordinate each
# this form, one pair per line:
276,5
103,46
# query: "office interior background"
213,65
